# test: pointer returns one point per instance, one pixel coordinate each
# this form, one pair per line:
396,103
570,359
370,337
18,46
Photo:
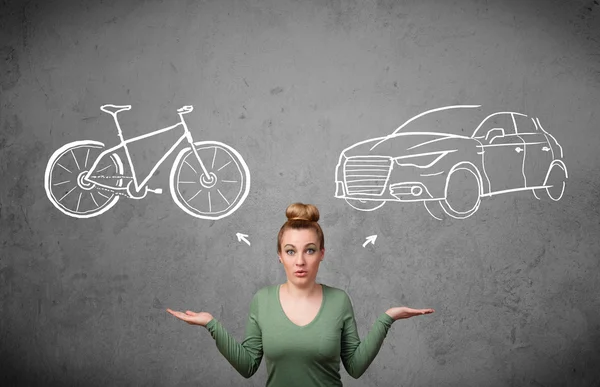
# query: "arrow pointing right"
370,239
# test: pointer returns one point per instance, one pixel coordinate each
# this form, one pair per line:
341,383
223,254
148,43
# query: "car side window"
525,124
494,127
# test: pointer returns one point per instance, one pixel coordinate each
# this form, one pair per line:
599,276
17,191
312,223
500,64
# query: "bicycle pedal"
156,191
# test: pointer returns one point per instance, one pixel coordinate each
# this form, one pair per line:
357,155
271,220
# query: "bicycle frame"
123,144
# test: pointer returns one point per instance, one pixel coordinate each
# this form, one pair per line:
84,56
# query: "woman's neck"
301,292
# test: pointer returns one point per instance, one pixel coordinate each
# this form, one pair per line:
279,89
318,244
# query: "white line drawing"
242,237
370,239
450,173
208,179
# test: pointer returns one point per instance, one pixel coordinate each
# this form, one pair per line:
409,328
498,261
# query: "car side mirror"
493,133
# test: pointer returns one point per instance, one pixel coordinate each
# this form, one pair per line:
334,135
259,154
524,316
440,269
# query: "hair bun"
300,211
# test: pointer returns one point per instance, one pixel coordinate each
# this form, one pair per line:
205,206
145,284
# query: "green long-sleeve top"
303,356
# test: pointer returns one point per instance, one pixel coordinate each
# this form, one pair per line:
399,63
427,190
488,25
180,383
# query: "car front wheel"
463,192
555,182
365,205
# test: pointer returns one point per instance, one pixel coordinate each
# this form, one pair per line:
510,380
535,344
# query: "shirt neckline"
323,286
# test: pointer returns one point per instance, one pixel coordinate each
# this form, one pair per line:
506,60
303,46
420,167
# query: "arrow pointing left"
242,237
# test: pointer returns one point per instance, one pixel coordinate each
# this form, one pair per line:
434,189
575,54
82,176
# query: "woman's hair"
301,217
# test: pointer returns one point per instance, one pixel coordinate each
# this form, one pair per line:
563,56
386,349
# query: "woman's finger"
179,315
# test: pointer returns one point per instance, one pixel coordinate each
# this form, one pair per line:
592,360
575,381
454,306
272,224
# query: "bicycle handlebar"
185,109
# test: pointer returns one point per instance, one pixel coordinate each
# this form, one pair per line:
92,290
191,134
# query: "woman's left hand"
401,312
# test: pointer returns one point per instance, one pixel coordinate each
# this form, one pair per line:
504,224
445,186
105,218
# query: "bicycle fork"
207,178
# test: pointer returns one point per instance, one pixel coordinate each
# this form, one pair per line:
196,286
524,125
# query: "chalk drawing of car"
437,158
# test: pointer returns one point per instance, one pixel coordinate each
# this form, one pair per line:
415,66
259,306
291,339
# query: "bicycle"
208,179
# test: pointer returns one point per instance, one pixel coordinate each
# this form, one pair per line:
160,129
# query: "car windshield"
456,120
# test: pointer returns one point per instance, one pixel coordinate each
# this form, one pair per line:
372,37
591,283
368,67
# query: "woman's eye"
290,252
311,251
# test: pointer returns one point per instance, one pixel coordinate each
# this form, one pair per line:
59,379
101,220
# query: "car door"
538,152
503,153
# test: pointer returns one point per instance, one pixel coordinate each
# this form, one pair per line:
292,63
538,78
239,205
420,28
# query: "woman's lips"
300,273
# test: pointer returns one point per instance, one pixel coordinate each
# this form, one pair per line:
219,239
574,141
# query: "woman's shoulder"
333,292
333,289
266,291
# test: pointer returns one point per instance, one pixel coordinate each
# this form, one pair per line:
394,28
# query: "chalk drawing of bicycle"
208,179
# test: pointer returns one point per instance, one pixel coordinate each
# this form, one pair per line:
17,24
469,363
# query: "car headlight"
422,160
339,166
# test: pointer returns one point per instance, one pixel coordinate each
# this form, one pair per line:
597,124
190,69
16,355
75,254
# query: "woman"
302,327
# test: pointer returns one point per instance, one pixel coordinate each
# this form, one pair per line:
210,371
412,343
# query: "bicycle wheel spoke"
190,165
229,162
94,199
104,196
75,158
196,194
187,182
63,167
229,181
220,193
103,169
86,158
214,157
78,201
67,193
209,203
62,182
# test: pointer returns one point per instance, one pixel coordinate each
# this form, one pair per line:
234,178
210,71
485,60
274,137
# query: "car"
433,159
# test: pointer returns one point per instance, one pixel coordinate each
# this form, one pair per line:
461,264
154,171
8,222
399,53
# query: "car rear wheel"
365,205
463,192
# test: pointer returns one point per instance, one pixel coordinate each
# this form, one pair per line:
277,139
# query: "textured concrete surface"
290,84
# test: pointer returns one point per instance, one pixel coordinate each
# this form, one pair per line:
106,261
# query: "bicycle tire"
221,196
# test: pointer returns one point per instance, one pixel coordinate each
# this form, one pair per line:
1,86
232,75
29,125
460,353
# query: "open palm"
193,318
401,312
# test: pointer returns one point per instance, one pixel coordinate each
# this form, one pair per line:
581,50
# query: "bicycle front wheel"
214,196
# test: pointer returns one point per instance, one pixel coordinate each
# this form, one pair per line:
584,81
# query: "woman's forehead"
299,237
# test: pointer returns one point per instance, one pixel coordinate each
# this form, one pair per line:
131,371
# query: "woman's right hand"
192,318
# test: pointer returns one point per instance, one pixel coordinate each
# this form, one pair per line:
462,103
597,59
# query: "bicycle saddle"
186,109
114,109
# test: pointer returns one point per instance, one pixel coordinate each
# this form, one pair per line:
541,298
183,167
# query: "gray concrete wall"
290,84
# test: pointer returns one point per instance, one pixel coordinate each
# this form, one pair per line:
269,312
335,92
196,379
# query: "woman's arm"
245,357
356,355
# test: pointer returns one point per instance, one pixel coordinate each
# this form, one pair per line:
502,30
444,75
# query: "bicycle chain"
109,190
114,192
111,177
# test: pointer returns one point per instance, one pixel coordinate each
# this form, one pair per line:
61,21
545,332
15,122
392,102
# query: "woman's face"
301,255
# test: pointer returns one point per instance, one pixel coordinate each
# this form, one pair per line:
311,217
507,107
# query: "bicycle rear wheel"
217,195
64,183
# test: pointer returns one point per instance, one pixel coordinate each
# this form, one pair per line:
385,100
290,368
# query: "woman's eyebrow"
310,244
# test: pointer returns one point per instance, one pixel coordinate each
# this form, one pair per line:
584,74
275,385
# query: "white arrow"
242,237
370,239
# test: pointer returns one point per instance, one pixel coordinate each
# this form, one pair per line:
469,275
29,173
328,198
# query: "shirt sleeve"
356,355
244,357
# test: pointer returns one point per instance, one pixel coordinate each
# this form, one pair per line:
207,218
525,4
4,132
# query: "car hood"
401,144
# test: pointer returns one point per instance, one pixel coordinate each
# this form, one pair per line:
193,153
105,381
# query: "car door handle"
546,149
518,149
